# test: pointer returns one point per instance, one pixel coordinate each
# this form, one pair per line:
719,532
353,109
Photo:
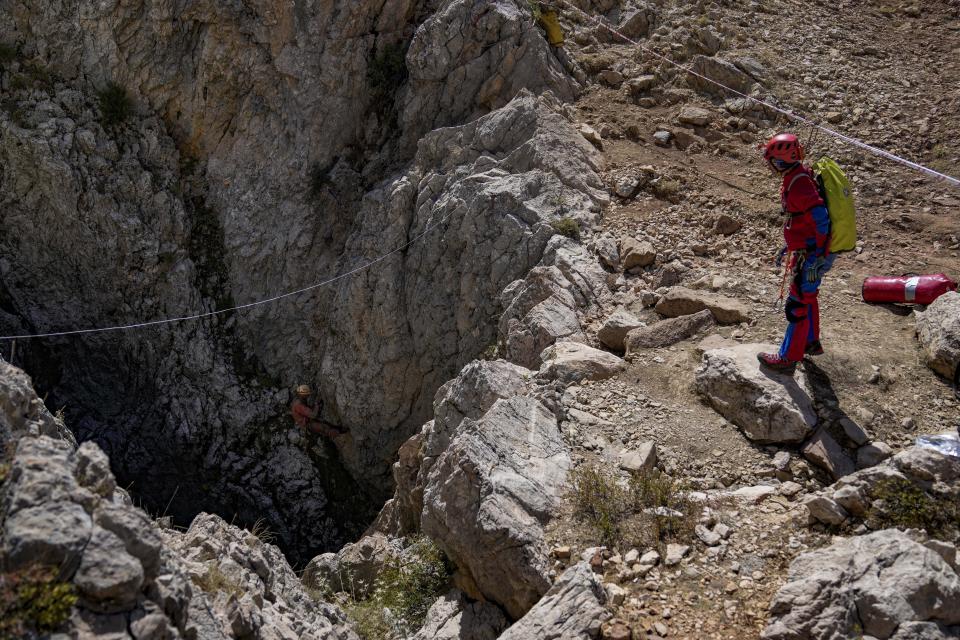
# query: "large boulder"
572,609
355,568
574,362
825,452
468,59
720,72
248,586
680,301
938,328
616,327
489,494
538,311
454,617
667,332
927,470
877,585
637,253
769,407
468,396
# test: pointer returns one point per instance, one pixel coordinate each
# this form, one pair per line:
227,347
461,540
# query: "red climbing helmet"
784,147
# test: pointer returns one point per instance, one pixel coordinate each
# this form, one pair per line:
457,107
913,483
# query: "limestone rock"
55,533
616,327
137,532
938,328
872,454
61,508
489,494
642,458
591,135
607,250
572,606
928,470
194,228
720,71
22,412
640,85
355,568
539,311
109,579
667,332
825,510
225,558
878,585
680,301
573,362
637,253
637,22
726,225
823,451
93,470
453,617
696,116
768,407
755,494
468,396
675,553
466,60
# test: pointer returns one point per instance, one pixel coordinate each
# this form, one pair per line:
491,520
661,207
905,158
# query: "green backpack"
837,194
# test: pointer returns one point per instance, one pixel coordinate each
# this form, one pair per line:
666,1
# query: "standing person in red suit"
806,232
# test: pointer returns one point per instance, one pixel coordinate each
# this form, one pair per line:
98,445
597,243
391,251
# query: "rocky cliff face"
273,146
75,552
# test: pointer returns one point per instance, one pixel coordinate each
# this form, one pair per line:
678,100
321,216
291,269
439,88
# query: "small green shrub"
215,580
650,508
666,190
673,514
404,591
601,502
897,502
115,105
536,12
33,601
567,227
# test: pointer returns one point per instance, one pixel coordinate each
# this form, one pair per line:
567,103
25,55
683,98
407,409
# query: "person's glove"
815,270
779,259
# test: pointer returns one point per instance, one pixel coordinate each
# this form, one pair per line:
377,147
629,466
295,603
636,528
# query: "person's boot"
814,349
774,362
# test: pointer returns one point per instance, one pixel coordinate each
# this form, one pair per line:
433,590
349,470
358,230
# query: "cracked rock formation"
316,115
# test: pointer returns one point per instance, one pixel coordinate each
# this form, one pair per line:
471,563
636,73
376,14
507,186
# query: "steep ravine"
261,158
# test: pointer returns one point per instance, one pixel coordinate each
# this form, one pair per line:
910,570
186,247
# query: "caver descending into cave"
305,415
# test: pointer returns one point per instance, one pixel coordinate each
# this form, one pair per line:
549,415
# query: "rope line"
596,19
241,307
789,114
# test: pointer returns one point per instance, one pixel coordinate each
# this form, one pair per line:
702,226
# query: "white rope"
249,305
836,134
848,139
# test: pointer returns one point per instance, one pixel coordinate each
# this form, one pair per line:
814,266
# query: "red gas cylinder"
909,289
